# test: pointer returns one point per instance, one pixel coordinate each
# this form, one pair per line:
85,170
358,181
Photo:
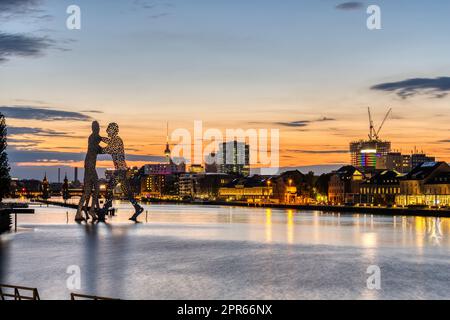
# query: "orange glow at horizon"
317,143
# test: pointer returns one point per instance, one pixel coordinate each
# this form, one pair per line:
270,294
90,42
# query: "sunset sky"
308,68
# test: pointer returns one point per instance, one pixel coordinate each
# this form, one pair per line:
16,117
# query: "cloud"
19,7
91,111
434,87
19,143
297,124
27,156
22,45
351,5
154,6
150,5
40,113
319,151
444,141
159,15
325,119
35,131
303,123
31,101
24,138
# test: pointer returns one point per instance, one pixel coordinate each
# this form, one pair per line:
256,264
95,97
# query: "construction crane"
373,133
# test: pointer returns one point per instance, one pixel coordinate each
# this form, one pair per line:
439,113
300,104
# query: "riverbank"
383,211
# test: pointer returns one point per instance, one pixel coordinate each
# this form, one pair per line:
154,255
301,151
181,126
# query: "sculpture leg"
86,203
109,198
95,195
127,191
87,194
79,215
95,203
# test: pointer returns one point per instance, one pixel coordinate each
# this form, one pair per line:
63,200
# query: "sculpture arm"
107,150
110,147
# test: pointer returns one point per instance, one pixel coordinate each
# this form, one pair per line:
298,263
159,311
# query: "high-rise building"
398,162
404,163
369,155
419,158
233,157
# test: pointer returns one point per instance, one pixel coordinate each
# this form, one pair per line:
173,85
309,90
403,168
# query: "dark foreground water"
208,252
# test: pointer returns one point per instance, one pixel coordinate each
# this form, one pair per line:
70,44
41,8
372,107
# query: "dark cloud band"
22,45
303,123
39,113
19,6
350,5
434,87
320,151
35,131
16,155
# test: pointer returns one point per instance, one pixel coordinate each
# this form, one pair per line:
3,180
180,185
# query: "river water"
213,252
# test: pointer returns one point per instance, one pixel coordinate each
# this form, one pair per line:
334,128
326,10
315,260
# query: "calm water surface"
210,252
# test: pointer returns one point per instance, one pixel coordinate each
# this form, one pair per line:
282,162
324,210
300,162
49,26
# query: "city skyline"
147,62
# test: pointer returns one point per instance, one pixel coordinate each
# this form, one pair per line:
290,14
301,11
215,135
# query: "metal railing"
8,292
76,296
15,211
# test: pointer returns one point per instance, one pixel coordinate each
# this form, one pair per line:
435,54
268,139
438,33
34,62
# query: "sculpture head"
112,130
95,127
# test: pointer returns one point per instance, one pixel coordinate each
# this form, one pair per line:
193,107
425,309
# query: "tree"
322,184
5,178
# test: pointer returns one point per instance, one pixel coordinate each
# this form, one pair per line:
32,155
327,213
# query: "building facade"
381,189
437,190
256,189
291,187
204,186
344,185
425,185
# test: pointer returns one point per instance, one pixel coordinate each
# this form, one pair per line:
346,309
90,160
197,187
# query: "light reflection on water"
210,252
